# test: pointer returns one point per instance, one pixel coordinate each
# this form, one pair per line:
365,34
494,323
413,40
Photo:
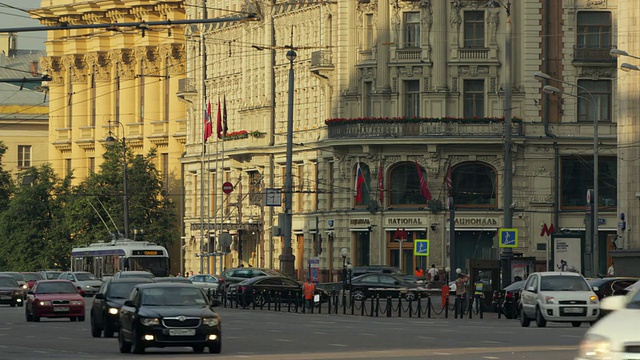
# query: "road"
268,335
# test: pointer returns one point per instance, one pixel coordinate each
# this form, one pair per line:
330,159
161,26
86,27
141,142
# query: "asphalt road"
268,335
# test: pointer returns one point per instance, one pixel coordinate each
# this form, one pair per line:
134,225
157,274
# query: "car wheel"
124,346
80,318
358,295
108,330
95,330
540,320
576,323
259,300
36,318
216,346
198,349
137,347
524,320
411,296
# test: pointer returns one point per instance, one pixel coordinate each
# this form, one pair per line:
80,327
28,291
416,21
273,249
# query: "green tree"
6,183
33,229
97,209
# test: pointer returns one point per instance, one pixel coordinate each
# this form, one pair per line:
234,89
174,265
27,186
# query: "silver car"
85,281
205,281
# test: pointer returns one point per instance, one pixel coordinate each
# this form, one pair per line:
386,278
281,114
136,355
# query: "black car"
384,285
509,297
107,303
10,292
168,315
173,279
384,269
261,290
610,286
234,276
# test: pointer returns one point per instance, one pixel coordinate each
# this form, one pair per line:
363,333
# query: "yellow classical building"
120,80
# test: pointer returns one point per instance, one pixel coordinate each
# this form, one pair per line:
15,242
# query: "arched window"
404,185
364,186
474,185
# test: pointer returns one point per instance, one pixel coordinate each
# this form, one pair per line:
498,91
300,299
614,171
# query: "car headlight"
25,286
593,299
113,311
150,321
210,321
44,303
77,302
550,300
595,347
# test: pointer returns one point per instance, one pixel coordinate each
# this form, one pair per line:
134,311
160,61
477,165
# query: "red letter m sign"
547,230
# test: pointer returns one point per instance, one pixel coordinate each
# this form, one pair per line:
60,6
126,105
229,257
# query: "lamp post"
595,238
344,252
507,196
287,258
125,201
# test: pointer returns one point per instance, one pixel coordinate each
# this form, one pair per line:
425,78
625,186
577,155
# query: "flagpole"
204,96
217,228
220,136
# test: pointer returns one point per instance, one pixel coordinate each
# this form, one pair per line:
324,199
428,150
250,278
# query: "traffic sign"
421,247
508,238
273,197
227,187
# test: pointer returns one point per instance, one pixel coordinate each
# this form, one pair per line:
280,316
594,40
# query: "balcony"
321,62
593,55
430,128
409,54
187,88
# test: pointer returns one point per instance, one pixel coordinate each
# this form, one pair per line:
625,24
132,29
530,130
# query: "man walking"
478,293
433,273
461,291
309,292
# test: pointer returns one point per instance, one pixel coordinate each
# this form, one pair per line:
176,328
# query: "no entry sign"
227,187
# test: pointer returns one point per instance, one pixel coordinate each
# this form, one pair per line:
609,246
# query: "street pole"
287,258
124,184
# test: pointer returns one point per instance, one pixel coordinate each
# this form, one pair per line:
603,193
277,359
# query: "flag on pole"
224,116
424,189
208,127
448,181
380,184
359,181
219,122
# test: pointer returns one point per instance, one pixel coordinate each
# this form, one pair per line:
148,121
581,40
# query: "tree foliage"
6,183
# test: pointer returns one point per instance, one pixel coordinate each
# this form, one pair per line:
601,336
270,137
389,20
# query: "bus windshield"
158,266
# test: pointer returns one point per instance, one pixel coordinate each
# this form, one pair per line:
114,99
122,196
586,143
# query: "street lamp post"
125,201
507,197
344,252
595,238
287,258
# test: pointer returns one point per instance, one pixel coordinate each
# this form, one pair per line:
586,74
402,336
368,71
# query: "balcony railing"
187,85
321,59
350,128
409,54
593,54
473,54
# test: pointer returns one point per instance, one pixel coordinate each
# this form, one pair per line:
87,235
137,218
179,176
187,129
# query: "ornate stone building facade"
400,90
121,81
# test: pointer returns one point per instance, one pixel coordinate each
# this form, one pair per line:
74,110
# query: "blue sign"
421,247
508,238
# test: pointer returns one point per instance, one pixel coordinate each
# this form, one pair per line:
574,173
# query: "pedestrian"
461,291
478,293
433,273
179,274
611,271
419,272
309,292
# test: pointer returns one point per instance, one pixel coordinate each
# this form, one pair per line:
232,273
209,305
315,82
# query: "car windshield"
32,277
8,282
120,290
563,283
171,296
85,276
16,276
50,275
56,288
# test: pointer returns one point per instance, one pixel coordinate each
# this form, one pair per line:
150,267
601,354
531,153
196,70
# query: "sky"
11,18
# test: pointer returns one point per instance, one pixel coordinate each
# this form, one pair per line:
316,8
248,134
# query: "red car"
31,278
54,299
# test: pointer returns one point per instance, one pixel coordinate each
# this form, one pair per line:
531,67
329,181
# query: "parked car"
133,274
236,275
19,279
615,336
169,314
50,274
31,278
206,282
261,290
85,281
10,292
558,297
509,297
54,299
105,309
384,285
384,269
610,286
173,279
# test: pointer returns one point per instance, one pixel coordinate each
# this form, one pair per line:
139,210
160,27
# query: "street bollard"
353,308
410,308
372,305
419,306
446,308
429,307
400,306
389,306
329,304
455,307
377,305
499,309
481,311
471,308
344,303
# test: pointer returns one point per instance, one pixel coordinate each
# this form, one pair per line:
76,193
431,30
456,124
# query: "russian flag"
359,181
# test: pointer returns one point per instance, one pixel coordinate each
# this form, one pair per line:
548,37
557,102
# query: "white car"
558,297
616,336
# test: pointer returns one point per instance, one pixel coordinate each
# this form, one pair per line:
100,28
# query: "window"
474,185
24,156
363,248
364,187
473,98
255,191
142,91
412,29
92,120
412,98
70,101
91,166
594,29
299,188
596,104
368,31
330,185
67,165
164,158
577,178
367,90
404,185
474,29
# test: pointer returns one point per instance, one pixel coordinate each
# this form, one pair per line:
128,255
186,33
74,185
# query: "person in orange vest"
419,273
309,291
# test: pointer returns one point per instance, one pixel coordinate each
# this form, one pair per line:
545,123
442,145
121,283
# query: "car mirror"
613,303
100,296
129,303
215,302
595,288
531,289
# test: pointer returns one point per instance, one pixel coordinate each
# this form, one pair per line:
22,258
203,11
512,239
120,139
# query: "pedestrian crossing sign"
508,238
421,247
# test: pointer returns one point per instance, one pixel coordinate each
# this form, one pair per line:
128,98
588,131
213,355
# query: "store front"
401,232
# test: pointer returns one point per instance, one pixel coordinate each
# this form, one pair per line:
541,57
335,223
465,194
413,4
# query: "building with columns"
401,90
121,81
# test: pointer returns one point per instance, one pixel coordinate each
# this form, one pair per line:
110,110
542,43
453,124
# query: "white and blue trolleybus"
106,258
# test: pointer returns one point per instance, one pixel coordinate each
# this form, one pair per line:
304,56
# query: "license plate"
182,332
573,310
5,297
61,309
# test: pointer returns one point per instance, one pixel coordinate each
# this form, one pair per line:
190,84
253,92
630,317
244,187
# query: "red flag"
424,190
359,181
448,181
380,184
219,123
208,127
224,116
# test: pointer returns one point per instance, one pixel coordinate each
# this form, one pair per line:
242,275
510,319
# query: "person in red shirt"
309,289
419,273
